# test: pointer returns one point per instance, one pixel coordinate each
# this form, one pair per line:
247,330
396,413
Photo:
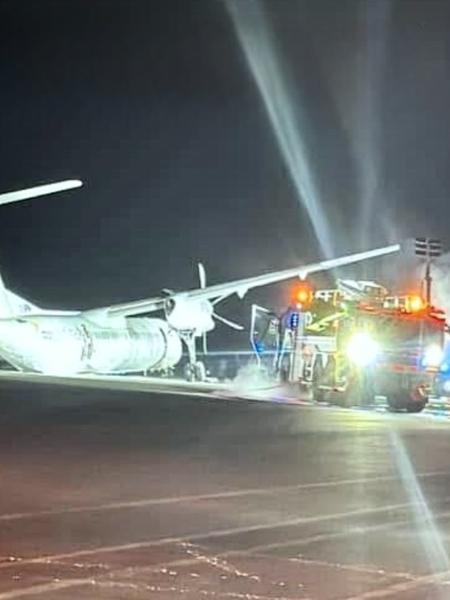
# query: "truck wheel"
410,402
395,402
318,394
318,377
359,392
416,407
345,399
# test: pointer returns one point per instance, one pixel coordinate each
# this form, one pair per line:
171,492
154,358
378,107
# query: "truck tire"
395,402
359,391
318,395
416,407
318,380
344,399
406,401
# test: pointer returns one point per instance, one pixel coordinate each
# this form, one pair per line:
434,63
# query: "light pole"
429,249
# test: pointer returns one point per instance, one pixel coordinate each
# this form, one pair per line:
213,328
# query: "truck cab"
391,351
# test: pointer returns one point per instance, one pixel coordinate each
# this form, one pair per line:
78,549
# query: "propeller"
202,283
201,275
232,324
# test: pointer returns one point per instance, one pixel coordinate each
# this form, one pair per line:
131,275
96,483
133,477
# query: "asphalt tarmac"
159,494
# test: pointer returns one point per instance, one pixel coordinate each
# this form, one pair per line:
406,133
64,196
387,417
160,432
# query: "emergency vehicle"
357,342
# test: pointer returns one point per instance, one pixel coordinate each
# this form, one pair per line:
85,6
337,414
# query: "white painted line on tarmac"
212,496
353,531
43,588
403,586
208,534
411,582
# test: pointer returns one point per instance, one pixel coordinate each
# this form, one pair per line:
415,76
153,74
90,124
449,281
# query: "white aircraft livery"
118,338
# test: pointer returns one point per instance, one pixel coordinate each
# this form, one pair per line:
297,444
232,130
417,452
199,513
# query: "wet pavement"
118,494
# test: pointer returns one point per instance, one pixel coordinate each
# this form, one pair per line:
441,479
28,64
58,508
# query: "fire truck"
357,342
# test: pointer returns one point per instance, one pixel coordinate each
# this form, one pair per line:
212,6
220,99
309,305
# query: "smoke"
441,283
251,377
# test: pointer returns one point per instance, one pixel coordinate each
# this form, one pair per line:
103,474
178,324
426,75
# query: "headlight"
362,349
433,356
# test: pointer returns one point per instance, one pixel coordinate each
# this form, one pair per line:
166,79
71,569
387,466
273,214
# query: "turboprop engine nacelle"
189,315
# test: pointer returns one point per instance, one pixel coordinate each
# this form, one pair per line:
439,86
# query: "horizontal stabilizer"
39,190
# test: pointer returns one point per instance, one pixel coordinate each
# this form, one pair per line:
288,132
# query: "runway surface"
166,494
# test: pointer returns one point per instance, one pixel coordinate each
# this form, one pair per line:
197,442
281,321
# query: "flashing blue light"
444,367
259,347
295,317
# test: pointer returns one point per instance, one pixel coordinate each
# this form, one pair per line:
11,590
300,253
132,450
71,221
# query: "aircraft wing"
241,286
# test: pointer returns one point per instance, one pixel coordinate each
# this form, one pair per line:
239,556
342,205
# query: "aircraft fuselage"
69,344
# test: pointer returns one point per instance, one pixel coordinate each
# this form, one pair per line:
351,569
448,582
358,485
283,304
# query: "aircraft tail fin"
5,307
20,306
12,305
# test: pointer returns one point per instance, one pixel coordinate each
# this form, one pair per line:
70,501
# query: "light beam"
429,533
256,40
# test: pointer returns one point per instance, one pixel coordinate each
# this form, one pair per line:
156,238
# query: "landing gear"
195,370
200,371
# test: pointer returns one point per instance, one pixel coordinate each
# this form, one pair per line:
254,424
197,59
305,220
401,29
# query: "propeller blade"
219,299
231,324
205,344
201,275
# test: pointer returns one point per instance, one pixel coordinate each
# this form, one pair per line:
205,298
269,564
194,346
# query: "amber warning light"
303,295
415,303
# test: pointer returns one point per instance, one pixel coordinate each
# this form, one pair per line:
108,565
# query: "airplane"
119,339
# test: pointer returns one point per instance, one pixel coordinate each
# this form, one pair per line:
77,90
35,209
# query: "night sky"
153,106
